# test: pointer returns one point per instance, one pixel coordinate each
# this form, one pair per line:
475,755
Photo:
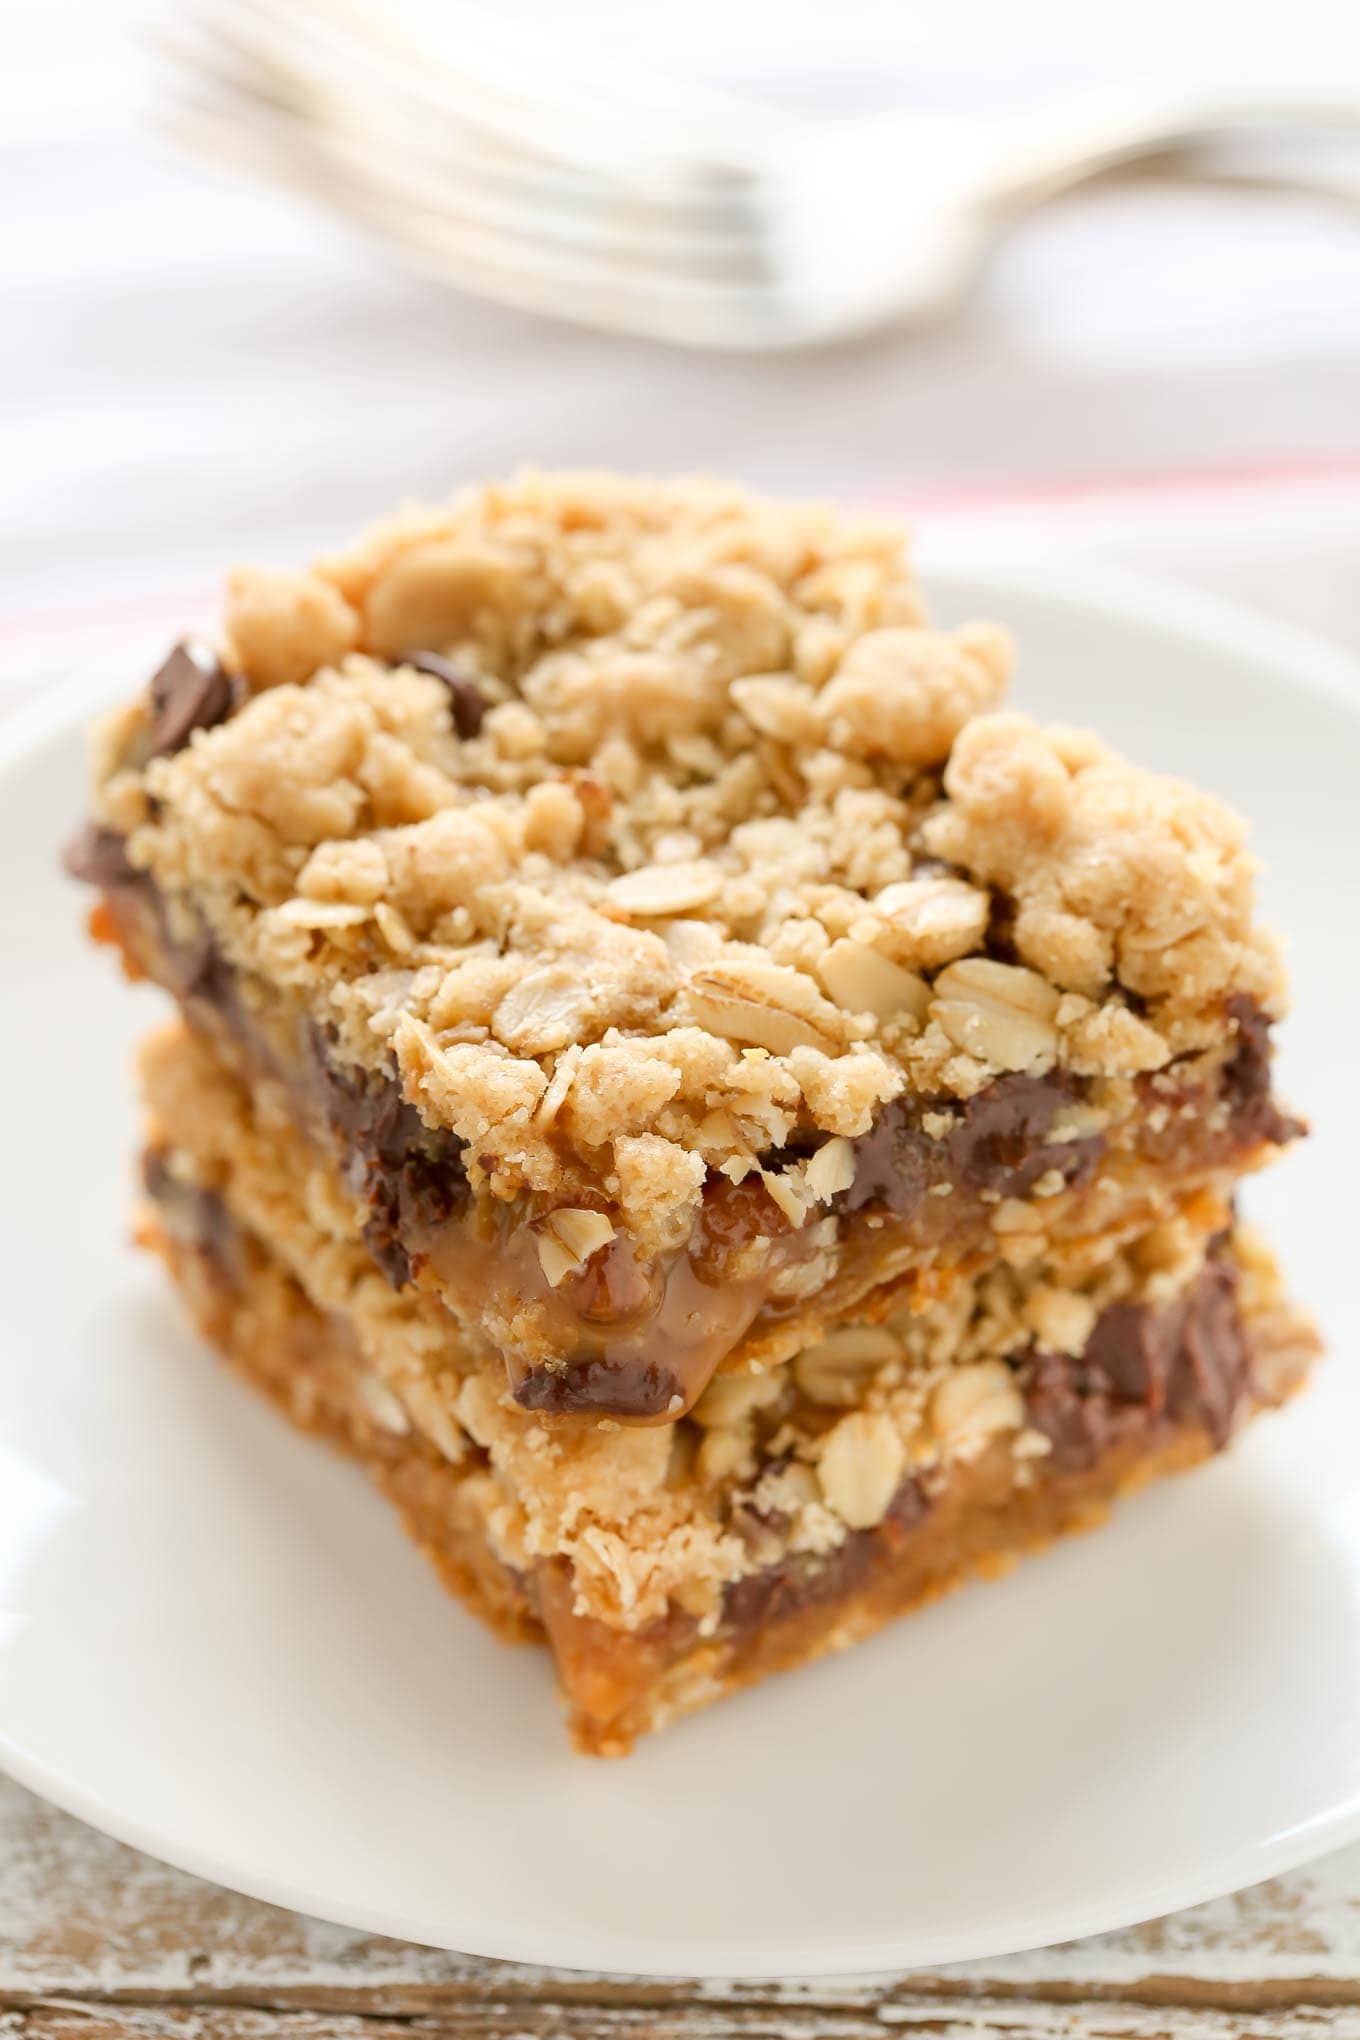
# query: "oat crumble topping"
740,850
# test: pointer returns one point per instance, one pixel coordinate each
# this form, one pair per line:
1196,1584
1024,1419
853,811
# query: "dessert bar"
658,922
796,1508
736,1127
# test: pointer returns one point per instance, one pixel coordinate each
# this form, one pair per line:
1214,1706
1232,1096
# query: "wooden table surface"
100,1943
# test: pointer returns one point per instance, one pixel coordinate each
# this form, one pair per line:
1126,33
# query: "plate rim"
1095,593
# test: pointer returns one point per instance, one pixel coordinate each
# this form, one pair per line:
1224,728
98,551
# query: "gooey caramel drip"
639,1339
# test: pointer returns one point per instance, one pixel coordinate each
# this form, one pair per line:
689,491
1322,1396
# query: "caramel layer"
620,1336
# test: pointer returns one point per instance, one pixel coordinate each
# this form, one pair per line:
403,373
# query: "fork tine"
519,235
201,40
491,86
545,92
605,222
663,305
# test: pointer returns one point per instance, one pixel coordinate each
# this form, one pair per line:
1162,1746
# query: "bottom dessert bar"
788,1518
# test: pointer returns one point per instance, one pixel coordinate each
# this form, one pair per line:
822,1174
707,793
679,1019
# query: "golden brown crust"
980,1527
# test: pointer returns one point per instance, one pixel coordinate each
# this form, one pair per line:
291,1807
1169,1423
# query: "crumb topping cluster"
710,841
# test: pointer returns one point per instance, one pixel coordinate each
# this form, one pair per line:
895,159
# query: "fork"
583,190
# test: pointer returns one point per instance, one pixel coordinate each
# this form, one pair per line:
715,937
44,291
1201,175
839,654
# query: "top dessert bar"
669,936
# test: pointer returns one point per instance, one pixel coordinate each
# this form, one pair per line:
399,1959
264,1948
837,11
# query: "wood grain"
100,1943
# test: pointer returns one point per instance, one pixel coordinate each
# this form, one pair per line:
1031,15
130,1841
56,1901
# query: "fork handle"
1062,146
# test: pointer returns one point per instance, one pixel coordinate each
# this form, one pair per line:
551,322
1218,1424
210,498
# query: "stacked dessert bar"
733,1128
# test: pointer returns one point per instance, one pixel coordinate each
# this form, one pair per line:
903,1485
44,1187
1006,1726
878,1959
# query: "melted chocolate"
1246,1081
1210,1367
625,1388
1000,1143
412,1178
410,1175
1187,1363
894,1162
997,1144
99,857
782,1591
806,1580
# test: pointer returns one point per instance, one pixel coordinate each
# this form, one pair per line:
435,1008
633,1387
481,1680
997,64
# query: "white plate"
216,1643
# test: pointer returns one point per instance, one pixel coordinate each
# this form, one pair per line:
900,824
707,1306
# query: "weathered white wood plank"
1002,2019
123,1938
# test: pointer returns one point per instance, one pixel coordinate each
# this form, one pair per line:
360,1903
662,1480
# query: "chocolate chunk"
469,703
997,1144
1186,1363
432,1179
411,1175
600,1388
98,856
190,692
1210,1369
893,1162
1129,1354
187,962
804,1580
1078,1426
1000,1144
799,1582
390,1255
193,1216
382,1130
1246,1081
1001,929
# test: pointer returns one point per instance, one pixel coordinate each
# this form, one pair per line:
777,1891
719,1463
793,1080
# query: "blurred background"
271,266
